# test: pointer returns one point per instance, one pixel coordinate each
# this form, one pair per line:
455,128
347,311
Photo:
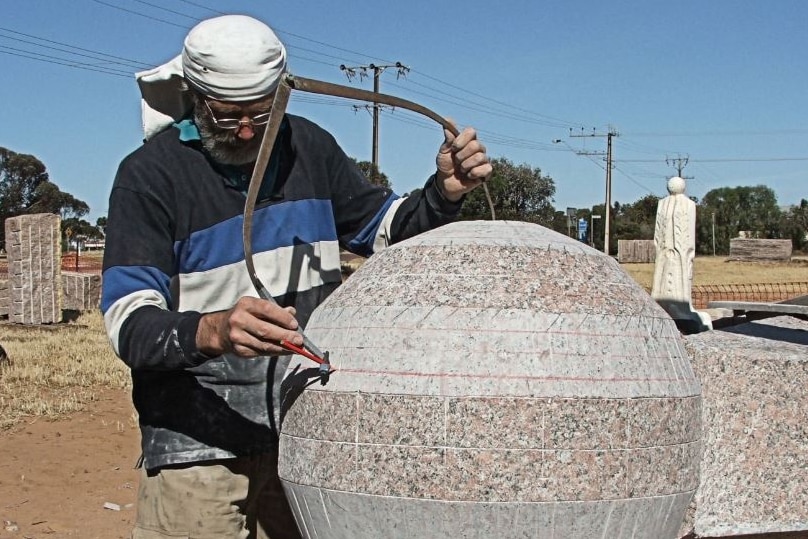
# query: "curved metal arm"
348,92
337,90
264,153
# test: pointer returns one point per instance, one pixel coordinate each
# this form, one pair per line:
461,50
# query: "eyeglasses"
235,123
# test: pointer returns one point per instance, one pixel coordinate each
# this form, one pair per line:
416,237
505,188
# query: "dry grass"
719,270
56,370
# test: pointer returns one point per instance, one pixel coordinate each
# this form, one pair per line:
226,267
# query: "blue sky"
721,83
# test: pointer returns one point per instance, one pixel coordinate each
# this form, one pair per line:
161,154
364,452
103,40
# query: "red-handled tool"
320,358
301,350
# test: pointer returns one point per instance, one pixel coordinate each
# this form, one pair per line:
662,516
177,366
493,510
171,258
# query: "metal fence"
84,264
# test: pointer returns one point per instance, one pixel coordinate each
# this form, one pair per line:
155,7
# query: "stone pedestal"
34,260
493,379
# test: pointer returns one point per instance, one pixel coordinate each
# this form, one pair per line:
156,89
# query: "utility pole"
679,163
611,133
377,70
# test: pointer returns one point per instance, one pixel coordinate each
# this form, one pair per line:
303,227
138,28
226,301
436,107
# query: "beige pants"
235,498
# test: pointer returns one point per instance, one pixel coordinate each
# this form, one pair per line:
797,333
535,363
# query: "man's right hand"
253,327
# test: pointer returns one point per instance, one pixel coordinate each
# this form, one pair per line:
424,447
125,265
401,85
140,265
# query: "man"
178,303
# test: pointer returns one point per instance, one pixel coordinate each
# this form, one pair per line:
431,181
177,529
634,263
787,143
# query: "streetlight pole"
592,218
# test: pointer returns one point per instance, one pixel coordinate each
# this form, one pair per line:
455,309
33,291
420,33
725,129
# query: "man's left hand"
462,164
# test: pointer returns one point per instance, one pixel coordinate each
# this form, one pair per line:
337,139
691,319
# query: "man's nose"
245,129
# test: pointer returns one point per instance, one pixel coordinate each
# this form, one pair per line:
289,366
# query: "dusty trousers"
238,498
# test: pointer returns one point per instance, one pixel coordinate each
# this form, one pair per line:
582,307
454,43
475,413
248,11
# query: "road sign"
583,226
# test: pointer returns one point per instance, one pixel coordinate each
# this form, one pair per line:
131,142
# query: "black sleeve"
139,263
424,209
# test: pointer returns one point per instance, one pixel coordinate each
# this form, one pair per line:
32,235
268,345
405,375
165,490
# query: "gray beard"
222,144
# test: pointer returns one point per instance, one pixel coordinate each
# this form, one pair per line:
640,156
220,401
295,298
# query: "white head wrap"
228,58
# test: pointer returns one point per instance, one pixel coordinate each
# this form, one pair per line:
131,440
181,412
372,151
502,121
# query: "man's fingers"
250,346
476,167
448,137
257,326
463,139
269,311
471,150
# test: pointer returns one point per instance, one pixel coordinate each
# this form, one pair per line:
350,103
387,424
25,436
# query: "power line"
477,105
545,120
166,9
509,115
719,133
481,108
465,90
67,63
281,31
103,56
722,160
139,14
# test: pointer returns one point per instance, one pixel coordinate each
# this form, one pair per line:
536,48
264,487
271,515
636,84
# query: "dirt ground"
56,476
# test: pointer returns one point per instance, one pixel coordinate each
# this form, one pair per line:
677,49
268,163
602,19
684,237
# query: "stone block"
759,249
754,471
34,258
5,298
80,291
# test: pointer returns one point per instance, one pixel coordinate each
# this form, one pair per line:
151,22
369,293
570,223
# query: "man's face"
228,129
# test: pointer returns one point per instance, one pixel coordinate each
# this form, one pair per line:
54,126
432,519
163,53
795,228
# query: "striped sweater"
174,252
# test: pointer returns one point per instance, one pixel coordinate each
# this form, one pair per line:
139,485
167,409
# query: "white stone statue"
675,239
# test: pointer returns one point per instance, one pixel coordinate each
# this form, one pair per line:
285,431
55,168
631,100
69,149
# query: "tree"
736,209
559,222
20,176
81,230
25,188
51,199
519,193
794,225
639,218
636,221
101,224
372,173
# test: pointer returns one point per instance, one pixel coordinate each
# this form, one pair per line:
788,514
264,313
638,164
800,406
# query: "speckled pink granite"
494,379
755,398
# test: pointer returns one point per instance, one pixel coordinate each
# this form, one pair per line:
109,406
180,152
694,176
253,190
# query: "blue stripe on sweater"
362,244
281,225
120,281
